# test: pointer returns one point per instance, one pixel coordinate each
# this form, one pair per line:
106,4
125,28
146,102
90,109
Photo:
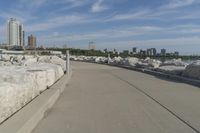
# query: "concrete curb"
25,120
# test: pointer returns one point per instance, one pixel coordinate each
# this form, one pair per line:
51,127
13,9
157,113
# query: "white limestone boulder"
53,60
148,62
176,70
116,60
193,70
174,62
19,84
4,57
131,61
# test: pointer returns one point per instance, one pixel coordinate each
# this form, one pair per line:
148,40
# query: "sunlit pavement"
104,99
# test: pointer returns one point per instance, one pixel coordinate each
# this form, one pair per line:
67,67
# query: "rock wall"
193,70
22,82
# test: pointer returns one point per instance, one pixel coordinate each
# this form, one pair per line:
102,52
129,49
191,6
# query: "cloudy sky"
120,24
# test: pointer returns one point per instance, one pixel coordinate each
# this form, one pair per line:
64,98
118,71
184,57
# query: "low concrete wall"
25,120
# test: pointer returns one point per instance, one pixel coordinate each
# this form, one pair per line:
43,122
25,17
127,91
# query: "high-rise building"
105,50
15,33
176,53
154,52
126,52
151,52
134,50
143,52
114,51
163,52
21,35
32,41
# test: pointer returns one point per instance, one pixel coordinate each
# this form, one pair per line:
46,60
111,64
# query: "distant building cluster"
16,36
150,52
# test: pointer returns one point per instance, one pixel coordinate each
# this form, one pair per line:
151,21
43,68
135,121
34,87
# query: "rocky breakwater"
174,66
23,78
193,70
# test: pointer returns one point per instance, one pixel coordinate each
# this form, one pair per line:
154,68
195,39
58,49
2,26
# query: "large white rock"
17,87
193,70
29,61
5,63
49,72
174,62
4,57
131,61
17,58
177,70
153,63
149,63
75,58
116,60
53,60
19,84
101,60
14,96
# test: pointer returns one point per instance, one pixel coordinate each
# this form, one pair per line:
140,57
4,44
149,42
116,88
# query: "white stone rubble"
193,70
25,77
177,70
131,61
174,62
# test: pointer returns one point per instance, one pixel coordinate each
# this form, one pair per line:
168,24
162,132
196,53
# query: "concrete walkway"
104,99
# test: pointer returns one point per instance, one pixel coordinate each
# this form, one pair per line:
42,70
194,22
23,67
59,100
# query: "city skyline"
169,24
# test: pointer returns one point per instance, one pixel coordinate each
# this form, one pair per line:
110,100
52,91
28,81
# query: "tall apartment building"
151,52
15,33
163,52
32,41
134,50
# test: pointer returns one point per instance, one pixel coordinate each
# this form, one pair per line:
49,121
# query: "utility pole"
67,62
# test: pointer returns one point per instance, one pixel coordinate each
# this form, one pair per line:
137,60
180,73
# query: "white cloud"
32,4
175,43
69,4
131,15
60,21
161,13
171,41
117,37
104,34
98,6
74,3
190,15
19,15
179,3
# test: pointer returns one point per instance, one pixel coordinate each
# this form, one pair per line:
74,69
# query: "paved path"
103,99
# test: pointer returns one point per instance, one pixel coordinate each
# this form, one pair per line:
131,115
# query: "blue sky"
120,24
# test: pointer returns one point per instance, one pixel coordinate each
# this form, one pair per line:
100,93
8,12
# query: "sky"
119,24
